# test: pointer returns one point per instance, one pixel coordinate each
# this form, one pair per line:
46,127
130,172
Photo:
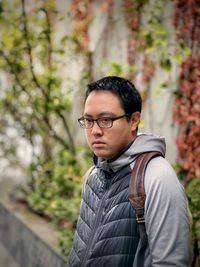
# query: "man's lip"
97,143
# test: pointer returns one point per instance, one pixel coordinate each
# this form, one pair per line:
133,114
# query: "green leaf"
178,57
165,63
149,39
7,39
187,51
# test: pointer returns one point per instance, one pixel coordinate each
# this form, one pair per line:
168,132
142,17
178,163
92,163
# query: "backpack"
137,196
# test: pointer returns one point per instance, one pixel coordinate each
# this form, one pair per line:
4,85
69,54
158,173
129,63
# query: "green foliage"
115,68
56,187
55,192
156,35
66,241
36,103
157,38
193,192
33,100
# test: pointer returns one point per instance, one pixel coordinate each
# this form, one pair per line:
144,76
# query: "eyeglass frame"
98,120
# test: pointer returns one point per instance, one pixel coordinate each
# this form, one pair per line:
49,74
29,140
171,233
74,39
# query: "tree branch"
29,50
71,141
54,134
10,64
48,36
46,95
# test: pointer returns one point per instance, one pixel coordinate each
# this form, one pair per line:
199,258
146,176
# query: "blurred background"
49,51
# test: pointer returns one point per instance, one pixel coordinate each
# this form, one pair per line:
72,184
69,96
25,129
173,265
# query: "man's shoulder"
161,176
160,168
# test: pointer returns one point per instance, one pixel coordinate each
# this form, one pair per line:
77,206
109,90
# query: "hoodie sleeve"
167,216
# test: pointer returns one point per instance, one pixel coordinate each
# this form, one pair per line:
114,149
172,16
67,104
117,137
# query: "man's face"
108,142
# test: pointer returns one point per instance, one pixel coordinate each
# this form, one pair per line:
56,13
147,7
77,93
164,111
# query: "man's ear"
135,120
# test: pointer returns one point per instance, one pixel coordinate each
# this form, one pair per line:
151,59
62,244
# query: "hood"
143,143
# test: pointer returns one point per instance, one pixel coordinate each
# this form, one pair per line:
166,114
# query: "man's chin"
103,155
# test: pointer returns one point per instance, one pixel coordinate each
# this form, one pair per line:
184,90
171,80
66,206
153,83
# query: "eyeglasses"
105,122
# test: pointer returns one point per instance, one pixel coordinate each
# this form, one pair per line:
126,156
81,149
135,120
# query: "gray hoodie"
166,208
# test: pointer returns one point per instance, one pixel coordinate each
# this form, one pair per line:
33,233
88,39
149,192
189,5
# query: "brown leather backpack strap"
137,197
137,194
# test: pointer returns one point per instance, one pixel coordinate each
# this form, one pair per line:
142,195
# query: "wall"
108,43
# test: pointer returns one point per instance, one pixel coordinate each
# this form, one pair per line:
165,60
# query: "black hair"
125,90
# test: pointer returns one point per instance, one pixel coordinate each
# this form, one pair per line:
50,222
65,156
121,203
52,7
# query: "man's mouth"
98,144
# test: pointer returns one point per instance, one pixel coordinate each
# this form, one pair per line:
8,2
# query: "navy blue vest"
107,233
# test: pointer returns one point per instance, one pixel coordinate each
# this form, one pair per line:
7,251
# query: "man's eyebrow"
105,114
87,115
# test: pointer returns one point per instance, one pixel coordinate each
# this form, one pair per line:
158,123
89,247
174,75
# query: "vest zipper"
98,217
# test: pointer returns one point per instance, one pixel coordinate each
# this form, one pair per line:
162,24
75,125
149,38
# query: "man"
107,232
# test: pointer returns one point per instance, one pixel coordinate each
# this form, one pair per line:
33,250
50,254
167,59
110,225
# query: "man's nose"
96,129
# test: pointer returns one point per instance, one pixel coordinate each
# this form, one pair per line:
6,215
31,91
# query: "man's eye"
105,120
88,120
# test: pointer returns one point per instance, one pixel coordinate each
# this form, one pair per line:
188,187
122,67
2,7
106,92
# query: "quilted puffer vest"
107,233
